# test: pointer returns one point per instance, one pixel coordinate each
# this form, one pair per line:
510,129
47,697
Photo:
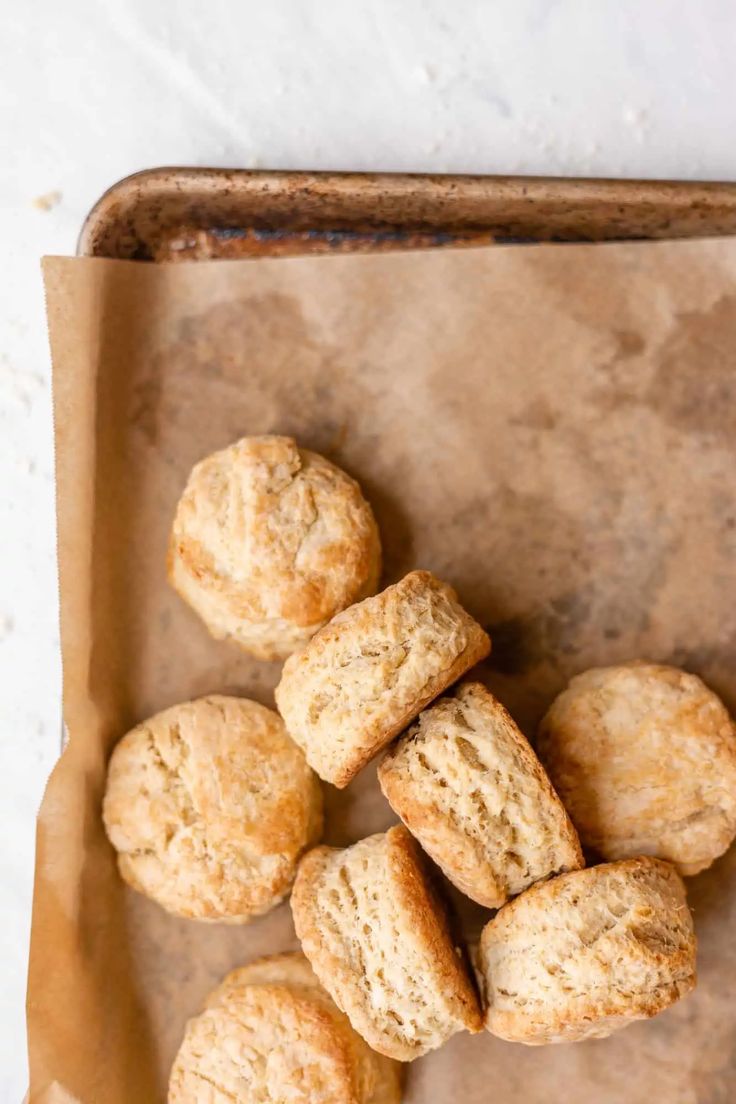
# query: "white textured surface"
91,90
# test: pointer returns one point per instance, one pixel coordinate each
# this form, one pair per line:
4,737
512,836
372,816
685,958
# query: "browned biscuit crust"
372,669
269,542
467,784
644,757
270,1033
377,937
209,805
587,953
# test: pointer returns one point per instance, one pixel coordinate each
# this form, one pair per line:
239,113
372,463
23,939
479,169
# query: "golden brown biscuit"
364,676
209,806
269,542
290,968
644,758
585,954
467,784
376,934
270,1033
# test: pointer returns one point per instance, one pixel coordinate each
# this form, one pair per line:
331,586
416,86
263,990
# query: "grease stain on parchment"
690,384
694,383
258,342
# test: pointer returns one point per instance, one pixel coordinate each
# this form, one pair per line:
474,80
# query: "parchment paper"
549,428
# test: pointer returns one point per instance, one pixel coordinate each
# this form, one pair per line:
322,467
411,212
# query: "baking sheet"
550,428
144,215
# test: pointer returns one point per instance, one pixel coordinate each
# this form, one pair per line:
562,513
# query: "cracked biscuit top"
467,784
585,954
209,805
372,669
270,1033
269,542
375,930
644,758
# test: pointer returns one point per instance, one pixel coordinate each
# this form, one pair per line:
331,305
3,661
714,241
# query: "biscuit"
290,968
644,758
585,954
466,783
271,541
372,669
270,1033
377,936
209,806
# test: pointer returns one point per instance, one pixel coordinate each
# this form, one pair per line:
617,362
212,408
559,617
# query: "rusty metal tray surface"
170,214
